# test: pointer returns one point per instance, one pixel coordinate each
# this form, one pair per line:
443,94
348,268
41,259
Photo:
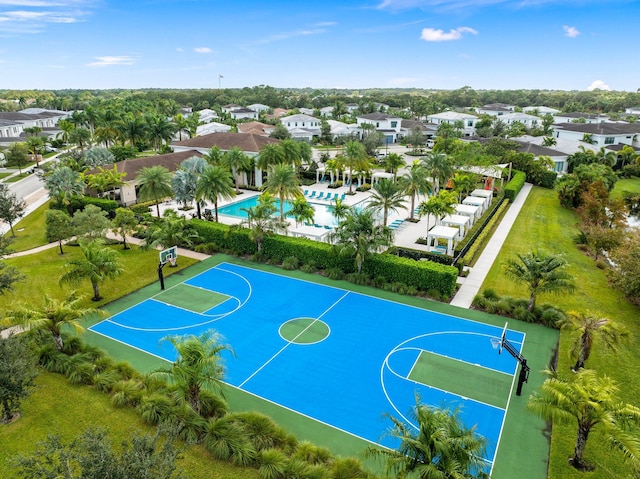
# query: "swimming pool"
323,215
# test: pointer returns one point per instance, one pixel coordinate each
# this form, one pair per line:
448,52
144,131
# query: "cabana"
482,203
473,212
442,232
317,233
459,221
381,174
320,172
487,194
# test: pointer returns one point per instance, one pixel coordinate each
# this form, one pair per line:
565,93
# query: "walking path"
473,282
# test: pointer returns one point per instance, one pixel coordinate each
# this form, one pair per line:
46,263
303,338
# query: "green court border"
524,444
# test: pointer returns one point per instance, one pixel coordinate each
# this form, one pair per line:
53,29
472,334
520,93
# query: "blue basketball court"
366,357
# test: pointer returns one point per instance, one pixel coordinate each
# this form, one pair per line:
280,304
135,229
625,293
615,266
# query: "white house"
301,126
386,123
244,113
451,117
326,110
339,128
558,157
599,134
541,110
212,127
306,111
259,107
580,117
530,121
230,107
495,109
207,115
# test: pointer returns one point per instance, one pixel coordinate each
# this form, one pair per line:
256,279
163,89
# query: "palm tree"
260,219
66,127
213,156
270,155
35,144
590,401
415,182
197,367
464,183
132,128
184,181
358,235
159,129
155,184
97,264
439,167
339,209
353,157
392,162
181,124
302,211
388,195
542,273
236,161
215,183
63,184
172,230
442,447
284,184
291,152
52,316
590,326
81,137
438,206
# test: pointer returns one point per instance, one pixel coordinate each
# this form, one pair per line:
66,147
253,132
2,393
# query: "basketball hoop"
495,342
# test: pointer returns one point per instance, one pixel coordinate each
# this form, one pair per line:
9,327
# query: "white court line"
289,343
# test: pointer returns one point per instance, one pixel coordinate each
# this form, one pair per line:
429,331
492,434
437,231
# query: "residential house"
428,129
243,113
558,157
301,126
259,107
250,144
495,109
255,128
212,127
326,110
540,110
388,124
306,111
529,121
452,117
230,107
577,117
599,134
351,107
340,129
207,115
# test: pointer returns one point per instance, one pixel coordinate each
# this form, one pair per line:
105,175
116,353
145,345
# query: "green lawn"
4,175
542,223
631,185
44,269
29,231
58,407
18,177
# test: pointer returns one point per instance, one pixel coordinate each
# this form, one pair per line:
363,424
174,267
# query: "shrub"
512,188
291,263
273,463
548,179
155,407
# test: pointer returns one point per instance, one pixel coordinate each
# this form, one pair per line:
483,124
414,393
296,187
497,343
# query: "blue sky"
443,44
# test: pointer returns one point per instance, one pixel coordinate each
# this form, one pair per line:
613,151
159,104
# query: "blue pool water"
323,215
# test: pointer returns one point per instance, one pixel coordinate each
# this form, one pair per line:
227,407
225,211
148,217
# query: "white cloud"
436,35
38,13
179,49
598,85
113,60
571,32
319,29
202,50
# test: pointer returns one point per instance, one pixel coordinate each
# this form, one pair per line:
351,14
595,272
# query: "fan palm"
215,183
155,184
590,326
442,446
541,272
590,401
52,316
358,235
198,366
97,264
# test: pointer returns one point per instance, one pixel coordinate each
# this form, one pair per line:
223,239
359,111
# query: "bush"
142,208
290,263
548,179
515,185
80,202
423,275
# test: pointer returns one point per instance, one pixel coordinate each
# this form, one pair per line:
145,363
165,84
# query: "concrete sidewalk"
473,282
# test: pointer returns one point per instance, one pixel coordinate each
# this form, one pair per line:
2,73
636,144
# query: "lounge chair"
320,196
327,227
313,193
306,192
344,195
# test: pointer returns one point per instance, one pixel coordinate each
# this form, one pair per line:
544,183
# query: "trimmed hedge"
142,208
79,202
548,179
423,275
515,185
487,229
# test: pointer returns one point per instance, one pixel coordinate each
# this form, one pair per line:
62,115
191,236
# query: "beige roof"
247,142
170,161
255,127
